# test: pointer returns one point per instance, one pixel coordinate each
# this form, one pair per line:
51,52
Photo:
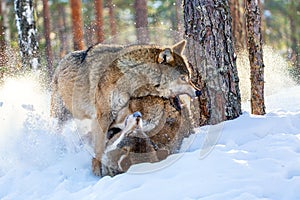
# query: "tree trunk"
141,21
2,31
27,34
245,24
77,26
47,30
62,30
292,16
3,57
99,20
210,51
112,21
237,24
5,17
178,26
255,57
179,15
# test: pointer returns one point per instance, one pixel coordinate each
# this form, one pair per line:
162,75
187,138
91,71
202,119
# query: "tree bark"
141,21
255,57
27,33
245,24
62,24
210,51
3,56
99,20
2,30
47,30
112,21
5,20
237,24
178,22
292,16
77,25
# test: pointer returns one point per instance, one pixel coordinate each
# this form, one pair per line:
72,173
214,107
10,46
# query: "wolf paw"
96,167
162,154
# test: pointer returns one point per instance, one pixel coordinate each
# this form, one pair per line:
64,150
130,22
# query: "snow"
252,157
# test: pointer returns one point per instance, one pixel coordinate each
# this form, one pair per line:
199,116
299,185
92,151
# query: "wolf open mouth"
176,103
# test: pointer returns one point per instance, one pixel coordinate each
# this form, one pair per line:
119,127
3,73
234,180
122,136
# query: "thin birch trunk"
27,34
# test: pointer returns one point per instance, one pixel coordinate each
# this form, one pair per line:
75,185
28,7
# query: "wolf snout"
137,114
198,93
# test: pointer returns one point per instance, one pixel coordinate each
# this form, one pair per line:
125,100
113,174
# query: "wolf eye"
183,78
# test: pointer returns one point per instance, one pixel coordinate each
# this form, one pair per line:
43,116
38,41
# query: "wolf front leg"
100,128
98,141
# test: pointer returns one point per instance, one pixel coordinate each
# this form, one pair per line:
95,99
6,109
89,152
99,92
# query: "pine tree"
141,21
48,50
3,56
255,57
112,21
238,30
211,54
99,20
77,25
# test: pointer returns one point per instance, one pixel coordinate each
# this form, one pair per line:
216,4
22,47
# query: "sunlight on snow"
23,92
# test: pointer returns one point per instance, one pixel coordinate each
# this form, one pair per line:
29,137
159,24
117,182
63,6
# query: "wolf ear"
165,56
179,47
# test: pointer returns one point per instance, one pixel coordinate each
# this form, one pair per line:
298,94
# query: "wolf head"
156,71
129,146
176,74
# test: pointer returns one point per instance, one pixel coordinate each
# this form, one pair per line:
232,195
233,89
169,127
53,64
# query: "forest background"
121,18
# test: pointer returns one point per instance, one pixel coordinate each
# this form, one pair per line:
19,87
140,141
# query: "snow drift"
252,157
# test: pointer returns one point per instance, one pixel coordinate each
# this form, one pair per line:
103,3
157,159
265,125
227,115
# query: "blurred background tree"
27,34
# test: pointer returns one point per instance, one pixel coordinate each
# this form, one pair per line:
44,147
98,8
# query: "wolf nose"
198,93
137,114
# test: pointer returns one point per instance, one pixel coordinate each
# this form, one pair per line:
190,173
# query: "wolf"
129,146
159,133
97,83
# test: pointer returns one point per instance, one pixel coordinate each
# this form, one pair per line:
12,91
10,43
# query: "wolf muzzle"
198,93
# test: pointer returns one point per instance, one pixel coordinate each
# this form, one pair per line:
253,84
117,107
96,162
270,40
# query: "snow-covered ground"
252,157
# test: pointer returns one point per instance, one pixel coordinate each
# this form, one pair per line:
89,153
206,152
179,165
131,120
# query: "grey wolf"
98,83
129,146
159,134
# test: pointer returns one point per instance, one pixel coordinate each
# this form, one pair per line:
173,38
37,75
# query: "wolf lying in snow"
129,146
97,84
159,132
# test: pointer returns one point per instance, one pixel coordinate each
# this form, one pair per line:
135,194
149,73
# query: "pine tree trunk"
255,57
77,26
141,21
178,23
48,50
2,31
237,24
245,24
292,16
27,34
210,51
62,30
99,20
112,21
179,15
3,57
